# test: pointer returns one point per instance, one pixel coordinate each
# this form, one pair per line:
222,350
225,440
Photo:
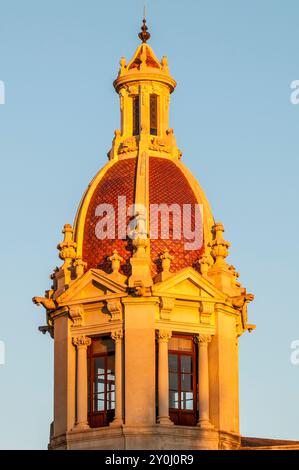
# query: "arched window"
182,380
136,115
101,384
154,114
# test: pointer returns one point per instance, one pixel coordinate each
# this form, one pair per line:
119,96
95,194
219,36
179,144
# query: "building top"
144,217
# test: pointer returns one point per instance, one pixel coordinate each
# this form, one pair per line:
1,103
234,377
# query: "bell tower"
145,318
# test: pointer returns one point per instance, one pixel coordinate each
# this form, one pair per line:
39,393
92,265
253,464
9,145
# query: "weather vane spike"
144,35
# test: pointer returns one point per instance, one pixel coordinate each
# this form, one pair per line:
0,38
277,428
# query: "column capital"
117,335
163,336
81,342
203,339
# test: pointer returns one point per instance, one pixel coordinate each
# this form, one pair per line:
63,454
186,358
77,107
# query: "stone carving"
204,265
240,303
81,342
166,308
128,145
206,312
48,304
115,259
203,339
80,266
114,307
159,145
76,313
163,336
117,335
219,246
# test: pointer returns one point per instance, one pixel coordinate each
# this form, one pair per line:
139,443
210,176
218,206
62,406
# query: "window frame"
99,418
181,416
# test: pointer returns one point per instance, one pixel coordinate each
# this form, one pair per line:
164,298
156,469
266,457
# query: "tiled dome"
167,185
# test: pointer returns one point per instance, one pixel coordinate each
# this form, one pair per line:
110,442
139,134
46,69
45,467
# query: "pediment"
95,285
188,283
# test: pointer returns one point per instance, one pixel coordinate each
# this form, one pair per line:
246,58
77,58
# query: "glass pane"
110,386
173,399
186,364
100,388
186,382
99,364
173,381
173,362
187,401
111,401
110,366
180,344
100,402
102,345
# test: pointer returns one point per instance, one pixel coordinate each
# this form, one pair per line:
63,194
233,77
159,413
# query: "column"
117,337
163,381
203,381
81,343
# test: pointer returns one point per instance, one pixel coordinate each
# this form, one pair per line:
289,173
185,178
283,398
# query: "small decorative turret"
67,253
68,247
219,246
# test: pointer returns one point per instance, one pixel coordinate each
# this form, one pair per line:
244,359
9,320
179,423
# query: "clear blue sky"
234,62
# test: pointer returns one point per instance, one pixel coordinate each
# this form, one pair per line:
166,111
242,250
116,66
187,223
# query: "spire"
144,35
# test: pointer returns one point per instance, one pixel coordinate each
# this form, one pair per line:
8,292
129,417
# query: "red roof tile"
168,185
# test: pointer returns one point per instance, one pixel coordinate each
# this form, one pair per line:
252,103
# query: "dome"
144,170
169,184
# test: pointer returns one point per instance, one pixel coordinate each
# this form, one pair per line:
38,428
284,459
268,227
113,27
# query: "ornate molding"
114,307
81,342
166,308
159,144
117,335
163,336
128,145
206,311
76,314
203,339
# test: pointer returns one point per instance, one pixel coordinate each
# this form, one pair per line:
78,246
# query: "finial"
67,252
144,35
67,248
115,259
219,245
80,266
166,259
204,265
